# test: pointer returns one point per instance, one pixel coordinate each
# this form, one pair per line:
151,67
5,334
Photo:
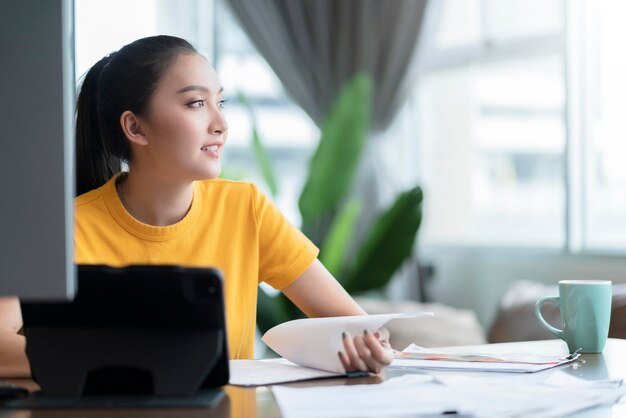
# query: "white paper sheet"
388,399
269,372
415,395
508,367
315,342
470,367
560,394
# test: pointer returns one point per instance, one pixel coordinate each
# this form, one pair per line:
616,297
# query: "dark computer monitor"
37,91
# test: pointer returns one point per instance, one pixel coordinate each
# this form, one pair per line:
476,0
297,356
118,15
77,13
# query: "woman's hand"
318,294
369,352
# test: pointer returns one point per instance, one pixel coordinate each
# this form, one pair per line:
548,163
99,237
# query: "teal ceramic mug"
585,307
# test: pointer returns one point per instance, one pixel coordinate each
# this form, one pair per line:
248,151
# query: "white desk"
260,403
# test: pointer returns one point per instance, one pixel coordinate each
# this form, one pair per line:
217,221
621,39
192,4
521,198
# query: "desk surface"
260,403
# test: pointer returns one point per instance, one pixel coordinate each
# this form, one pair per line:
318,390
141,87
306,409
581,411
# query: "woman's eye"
197,103
221,104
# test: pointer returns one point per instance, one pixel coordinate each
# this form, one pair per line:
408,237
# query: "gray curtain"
314,46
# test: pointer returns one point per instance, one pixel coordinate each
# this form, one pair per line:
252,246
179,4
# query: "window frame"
571,46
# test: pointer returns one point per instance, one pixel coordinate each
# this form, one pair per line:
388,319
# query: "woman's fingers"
382,334
365,353
344,362
355,361
379,350
368,352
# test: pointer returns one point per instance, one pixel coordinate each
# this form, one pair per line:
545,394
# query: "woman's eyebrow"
197,87
192,88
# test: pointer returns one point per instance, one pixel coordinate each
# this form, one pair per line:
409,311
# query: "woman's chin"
212,173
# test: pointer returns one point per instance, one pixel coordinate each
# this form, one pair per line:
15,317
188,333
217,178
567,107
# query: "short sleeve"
284,251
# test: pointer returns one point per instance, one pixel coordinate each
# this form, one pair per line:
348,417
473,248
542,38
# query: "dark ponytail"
124,80
94,164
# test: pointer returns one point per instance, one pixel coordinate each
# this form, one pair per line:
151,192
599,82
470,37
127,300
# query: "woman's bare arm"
317,293
13,361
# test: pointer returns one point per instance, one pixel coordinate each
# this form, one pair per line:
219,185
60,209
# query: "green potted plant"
330,214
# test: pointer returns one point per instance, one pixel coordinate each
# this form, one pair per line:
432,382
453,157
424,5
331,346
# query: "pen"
357,374
574,355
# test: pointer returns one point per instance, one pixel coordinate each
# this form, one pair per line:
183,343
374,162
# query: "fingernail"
365,332
344,335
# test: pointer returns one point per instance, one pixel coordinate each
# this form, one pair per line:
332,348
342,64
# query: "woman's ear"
131,125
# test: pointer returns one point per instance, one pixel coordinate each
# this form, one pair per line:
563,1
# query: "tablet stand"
78,362
135,336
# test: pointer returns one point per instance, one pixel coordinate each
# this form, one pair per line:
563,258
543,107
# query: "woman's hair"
121,81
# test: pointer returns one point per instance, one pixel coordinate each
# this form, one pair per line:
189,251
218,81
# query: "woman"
156,105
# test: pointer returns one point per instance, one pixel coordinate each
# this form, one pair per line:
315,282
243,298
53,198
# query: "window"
492,125
495,138
521,125
603,135
104,27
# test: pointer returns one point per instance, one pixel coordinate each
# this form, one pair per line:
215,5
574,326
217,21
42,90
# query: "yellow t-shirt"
231,226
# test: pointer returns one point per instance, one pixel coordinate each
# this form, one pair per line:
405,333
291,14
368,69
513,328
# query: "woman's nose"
218,123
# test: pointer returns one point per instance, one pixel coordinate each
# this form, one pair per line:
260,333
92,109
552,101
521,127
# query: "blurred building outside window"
491,109
520,125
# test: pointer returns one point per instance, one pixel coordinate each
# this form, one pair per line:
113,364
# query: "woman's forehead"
190,70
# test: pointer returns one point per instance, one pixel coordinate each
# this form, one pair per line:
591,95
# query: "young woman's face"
185,127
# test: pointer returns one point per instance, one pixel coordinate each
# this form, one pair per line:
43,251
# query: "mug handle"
557,301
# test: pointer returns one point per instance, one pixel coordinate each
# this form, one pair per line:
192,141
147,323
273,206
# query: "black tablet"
135,330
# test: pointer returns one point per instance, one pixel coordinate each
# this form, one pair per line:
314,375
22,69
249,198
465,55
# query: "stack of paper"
417,394
414,357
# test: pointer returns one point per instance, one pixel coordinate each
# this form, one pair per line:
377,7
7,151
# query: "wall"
477,278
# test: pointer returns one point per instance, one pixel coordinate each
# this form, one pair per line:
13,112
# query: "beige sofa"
449,326
516,321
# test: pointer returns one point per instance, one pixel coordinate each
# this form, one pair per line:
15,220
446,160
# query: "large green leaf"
340,235
332,167
388,244
267,171
262,157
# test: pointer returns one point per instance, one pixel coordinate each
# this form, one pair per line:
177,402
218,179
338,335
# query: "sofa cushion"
449,326
516,321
